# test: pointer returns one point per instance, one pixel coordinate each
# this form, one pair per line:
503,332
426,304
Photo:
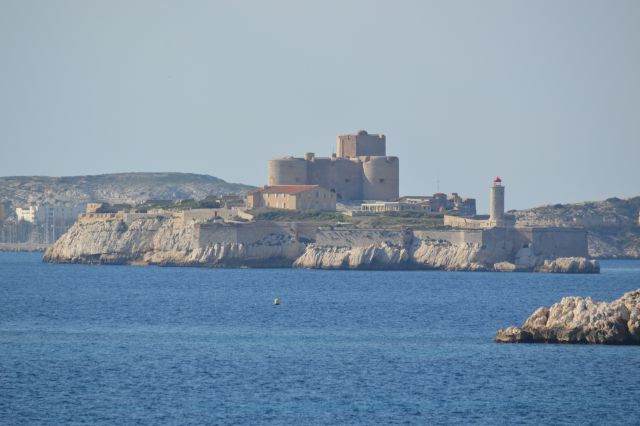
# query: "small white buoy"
276,301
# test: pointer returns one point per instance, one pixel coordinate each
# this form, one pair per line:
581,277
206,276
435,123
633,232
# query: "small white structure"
28,214
393,206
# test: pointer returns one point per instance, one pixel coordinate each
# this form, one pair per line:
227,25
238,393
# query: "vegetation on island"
264,213
387,220
210,202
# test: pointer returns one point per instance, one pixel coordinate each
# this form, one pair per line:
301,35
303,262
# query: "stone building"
360,170
293,197
94,208
464,206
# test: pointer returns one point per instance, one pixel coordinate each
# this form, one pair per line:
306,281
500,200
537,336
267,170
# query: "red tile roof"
287,189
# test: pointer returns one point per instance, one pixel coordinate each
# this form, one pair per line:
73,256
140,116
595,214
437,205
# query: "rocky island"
337,212
202,237
581,320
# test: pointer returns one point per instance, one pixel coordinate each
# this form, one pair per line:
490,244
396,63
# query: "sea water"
151,345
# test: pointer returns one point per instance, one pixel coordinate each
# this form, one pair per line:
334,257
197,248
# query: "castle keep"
360,169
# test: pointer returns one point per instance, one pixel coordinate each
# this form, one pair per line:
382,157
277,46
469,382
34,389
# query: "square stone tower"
361,144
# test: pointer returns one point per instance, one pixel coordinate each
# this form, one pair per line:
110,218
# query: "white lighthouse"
496,201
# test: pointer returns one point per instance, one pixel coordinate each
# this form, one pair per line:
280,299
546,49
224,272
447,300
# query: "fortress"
360,169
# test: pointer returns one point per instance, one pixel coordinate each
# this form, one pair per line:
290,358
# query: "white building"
50,214
28,214
393,206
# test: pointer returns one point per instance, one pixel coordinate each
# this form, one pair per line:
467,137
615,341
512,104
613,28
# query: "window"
347,180
381,180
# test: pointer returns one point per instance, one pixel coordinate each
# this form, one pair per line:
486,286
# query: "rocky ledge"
563,265
581,320
568,265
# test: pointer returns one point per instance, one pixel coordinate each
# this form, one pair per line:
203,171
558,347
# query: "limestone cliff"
581,320
170,239
165,241
430,254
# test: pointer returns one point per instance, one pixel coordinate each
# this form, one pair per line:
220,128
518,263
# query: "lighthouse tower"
496,201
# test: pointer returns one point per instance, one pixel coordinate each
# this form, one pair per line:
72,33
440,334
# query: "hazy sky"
545,94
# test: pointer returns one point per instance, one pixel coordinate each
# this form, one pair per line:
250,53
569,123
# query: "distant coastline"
24,247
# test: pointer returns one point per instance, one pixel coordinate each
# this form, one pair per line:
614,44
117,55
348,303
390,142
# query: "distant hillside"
133,188
612,224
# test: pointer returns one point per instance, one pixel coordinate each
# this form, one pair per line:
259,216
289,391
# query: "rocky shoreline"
174,241
581,320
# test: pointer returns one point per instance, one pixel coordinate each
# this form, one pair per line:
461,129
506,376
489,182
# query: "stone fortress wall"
360,170
495,236
252,232
351,237
496,244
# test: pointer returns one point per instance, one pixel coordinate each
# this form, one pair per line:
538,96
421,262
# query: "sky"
545,94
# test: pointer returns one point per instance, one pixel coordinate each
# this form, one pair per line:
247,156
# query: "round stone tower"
496,200
287,171
381,176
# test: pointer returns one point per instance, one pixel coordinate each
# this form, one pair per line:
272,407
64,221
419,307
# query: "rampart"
452,236
361,237
250,233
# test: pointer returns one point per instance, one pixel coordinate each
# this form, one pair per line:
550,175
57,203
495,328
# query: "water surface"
123,344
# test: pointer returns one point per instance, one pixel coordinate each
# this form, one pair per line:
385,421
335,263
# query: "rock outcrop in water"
581,320
568,265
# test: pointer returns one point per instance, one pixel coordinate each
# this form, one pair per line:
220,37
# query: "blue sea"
150,345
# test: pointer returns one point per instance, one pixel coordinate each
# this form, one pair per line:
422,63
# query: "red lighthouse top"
497,180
